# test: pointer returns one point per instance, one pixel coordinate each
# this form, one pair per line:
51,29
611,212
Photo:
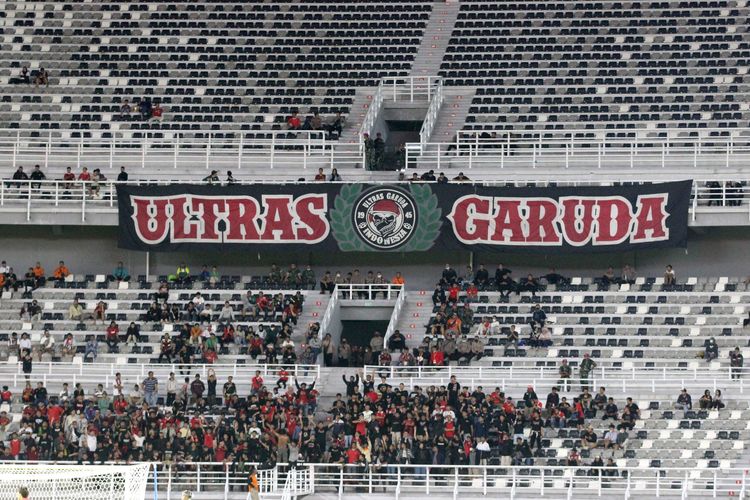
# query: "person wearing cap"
587,365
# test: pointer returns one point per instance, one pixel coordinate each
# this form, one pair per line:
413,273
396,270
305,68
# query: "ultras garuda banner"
403,217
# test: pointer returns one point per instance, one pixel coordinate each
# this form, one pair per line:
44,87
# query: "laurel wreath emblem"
425,234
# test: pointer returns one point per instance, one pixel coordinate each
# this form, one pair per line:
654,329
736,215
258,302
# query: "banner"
403,217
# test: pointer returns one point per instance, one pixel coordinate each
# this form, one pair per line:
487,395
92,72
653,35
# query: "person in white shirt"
171,389
46,345
25,342
65,393
610,438
483,451
199,302
4,268
91,441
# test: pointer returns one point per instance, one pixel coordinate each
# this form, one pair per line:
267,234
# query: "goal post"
74,482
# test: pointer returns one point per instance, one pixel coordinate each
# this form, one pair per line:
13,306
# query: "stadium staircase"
435,39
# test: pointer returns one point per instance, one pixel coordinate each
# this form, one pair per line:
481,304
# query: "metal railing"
571,151
296,150
395,316
369,291
430,119
606,371
410,88
105,373
222,480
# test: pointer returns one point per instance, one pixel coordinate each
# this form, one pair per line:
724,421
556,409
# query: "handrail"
395,316
430,118
475,480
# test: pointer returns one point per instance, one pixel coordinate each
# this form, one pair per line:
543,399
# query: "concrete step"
358,110
435,39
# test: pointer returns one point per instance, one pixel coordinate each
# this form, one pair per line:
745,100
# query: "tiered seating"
221,67
662,437
129,302
646,324
617,66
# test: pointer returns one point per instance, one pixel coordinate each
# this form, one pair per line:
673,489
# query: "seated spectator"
100,311
706,401
76,312
133,334
113,337
125,110
145,108
42,77
61,272
320,176
684,401
68,347
24,75
293,122
711,350
85,175
611,438
610,410
68,176
316,122
212,178
716,403
628,275
120,273
46,345
37,175
336,126
156,112
19,175
670,278
182,274
554,278
39,274
122,176
588,438
335,177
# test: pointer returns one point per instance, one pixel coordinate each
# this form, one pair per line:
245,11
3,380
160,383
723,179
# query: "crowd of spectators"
374,425
313,121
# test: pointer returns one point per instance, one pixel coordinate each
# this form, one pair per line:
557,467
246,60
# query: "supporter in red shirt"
84,175
352,454
156,112
472,292
257,382
54,413
293,121
283,378
437,358
453,292
5,395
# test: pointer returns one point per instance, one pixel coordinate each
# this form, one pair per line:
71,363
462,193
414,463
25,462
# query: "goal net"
74,482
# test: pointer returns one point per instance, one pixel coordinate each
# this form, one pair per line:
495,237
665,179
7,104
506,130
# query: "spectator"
113,337
37,176
85,175
145,108
61,272
46,345
669,276
711,350
20,175
628,275
68,177
736,361
716,403
335,177
564,372
555,278
42,77
293,122
586,367
684,401
320,176
122,176
92,348
182,274
125,110
120,273
212,178
24,76
150,389
528,284
230,178
315,122
706,401
336,126
156,112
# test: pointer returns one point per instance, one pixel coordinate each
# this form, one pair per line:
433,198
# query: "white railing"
430,119
221,480
368,122
283,149
410,88
395,316
639,154
370,291
604,372
90,374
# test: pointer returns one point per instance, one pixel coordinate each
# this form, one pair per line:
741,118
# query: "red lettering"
541,218
185,221
613,221
651,218
467,226
279,223
241,219
207,209
150,219
578,219
508,219
311,214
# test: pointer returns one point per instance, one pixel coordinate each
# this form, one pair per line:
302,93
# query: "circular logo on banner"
385,218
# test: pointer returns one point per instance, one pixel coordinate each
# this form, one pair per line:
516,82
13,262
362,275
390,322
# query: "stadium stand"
607,66
226,68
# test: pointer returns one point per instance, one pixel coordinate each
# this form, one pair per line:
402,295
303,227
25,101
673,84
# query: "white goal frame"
74,482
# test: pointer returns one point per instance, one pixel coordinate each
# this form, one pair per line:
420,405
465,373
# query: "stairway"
357,112
453,113
414,316
435,39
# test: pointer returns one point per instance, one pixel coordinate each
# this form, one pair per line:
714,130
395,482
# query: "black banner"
403,217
